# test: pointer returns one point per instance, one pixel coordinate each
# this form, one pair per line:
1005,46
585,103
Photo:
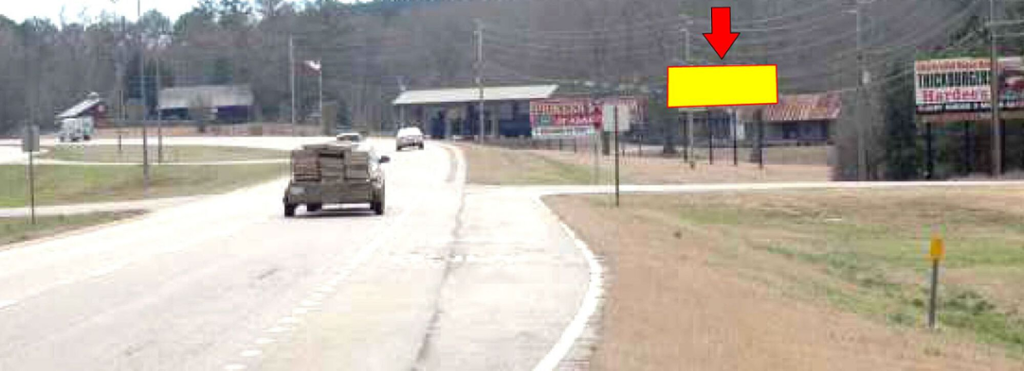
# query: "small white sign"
30,139
557,132
608,118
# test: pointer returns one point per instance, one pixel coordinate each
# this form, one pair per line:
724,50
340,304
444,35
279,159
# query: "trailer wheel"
289,210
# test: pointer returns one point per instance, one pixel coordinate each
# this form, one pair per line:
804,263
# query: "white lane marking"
326,289
7,303
113,267
587,308
315,299
250,353
234,367
278,329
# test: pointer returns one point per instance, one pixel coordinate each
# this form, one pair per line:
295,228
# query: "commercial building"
444,113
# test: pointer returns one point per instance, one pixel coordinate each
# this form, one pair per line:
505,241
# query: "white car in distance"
409,137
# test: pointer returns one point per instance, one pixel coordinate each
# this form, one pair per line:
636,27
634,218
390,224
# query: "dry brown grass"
688,295
499,166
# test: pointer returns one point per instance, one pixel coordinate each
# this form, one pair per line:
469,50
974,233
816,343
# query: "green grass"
172,154
865,251
61,184
14,230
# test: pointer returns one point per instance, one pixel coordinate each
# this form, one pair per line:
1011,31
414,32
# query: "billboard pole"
997,136
615,119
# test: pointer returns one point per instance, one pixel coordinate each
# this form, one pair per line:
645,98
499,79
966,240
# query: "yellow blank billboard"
705,86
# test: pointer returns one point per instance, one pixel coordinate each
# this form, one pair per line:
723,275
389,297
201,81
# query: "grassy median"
14,230
807,279
172,154
66,184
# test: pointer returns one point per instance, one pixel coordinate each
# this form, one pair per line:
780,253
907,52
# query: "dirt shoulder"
803,280
501,166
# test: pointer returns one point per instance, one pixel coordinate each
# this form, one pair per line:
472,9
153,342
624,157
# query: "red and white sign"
565,112
581,111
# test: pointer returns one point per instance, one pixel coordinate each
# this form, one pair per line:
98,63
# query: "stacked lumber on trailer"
357,165
331,162
305,167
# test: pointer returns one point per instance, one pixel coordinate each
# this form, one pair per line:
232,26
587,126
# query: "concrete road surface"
448,279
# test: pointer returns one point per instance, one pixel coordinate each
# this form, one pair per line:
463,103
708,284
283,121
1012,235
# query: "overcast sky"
19,10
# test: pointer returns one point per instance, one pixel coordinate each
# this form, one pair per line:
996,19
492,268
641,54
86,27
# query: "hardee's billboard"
962,84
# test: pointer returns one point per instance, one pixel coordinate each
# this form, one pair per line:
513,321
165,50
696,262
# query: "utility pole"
291,72
862,157
997,130
480,75
145,105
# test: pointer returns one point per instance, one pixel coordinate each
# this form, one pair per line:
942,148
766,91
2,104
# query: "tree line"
370,51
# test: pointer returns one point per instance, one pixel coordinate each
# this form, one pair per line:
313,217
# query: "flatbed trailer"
336,173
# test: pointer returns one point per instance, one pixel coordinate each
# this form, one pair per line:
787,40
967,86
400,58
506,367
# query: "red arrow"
721,36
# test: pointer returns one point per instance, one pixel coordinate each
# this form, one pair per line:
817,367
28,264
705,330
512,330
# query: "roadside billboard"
570,117
962,85
562,118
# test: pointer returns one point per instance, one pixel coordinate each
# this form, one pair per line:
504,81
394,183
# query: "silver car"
409,137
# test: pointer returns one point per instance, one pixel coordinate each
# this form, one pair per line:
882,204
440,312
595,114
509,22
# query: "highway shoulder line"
591,302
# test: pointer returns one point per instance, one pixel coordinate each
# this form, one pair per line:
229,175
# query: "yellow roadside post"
936,253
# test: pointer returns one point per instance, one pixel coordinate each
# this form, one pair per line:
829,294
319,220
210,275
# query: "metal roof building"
206,96
468,95
81,108
228,103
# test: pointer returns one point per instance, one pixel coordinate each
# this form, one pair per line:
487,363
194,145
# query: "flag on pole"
313,65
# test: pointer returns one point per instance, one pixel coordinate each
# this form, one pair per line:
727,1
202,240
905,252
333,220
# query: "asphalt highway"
448,279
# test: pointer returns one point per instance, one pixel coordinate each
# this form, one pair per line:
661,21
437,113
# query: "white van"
76,129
